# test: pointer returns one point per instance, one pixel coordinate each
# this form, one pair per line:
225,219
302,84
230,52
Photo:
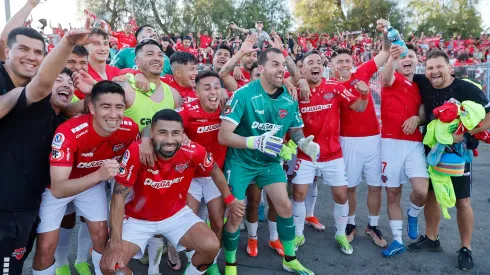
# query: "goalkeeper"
253,121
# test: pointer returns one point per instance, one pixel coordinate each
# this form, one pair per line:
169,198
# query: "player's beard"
159,148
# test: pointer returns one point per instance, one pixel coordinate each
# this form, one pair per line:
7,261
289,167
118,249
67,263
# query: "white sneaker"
173,258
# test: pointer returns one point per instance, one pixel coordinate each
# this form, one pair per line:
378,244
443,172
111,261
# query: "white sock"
48,271
396,230
216,258
189,254
84,243
340,213
252,229
273,235
351,220
96,257
192,270
299,215
155,247
373,220
414,210
310,200
63,248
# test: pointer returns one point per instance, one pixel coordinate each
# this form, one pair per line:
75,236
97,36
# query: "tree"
320,15
114,12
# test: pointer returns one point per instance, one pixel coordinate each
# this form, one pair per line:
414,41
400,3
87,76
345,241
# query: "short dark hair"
80,51
186,38
167,115
436,54
411,47
339,51
145,42
463,57
183,58
140,29
106,87
312,52
67,71
263,55
29,32
99,32
460,72
205,74
165,38
223,47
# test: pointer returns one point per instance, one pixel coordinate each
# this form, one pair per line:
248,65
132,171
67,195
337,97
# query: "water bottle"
396,39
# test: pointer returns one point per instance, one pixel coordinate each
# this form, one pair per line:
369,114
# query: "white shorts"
362,154
173,228
70,209
204,188
293,164
408,162
333,172
91,204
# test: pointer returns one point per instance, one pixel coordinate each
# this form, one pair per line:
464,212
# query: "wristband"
229,199
364,96
285,53
250,142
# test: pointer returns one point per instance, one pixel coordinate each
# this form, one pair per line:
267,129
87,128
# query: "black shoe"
465,260
425,244
350,232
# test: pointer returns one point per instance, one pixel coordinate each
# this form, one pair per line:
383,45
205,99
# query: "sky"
69,13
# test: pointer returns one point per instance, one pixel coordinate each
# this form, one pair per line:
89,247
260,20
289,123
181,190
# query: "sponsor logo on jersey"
265,126
202,120
122,171
210,128
68,154
328,96
180,109
81,134
316,108
260,112
125,129
79,127
181,167
208,160
57,154
163,183
192,108
129,123
58,140
118,147
130,172
257,96
93,164
304,102
125,158
283,113
188,99
87,155
154,172
145,121
19,253
227,110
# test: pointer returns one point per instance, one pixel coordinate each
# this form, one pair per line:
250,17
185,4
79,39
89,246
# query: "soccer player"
159,203
201,124
98,52
183,80
253,121
186,46
126,38
84,155
400,104
436,87
321,114
125,58
234,79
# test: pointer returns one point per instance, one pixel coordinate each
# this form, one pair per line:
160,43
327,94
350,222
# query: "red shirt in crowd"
161,191
360,124
125,41
399,102
203,127
245,78
321,116
76,144
204,41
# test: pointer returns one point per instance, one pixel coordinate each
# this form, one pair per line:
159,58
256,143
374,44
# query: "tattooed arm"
296,134
119,195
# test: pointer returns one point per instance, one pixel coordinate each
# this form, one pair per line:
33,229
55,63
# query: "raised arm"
388,73
15,22
384,54
233,26
291,66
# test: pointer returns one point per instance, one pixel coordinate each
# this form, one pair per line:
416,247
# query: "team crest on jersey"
208,160
328,96
118,147
181,167
384,178
125,158
227,110
283,113
122,171
58,140
57,154
19,253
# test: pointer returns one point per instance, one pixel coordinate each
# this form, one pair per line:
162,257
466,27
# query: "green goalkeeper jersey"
255,112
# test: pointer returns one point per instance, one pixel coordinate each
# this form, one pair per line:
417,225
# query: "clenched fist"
108,170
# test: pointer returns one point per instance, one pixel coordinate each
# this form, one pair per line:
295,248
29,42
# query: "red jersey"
321,115
59,31
205,41
188,94
77,145
399,102
203,127
125,41
110,71
360,124
302,42
50,47
181,48
245,79
161,191
314,40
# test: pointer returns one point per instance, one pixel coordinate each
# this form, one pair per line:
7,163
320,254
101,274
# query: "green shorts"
239,177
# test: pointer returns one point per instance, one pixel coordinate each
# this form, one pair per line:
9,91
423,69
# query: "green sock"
230,243
285,228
